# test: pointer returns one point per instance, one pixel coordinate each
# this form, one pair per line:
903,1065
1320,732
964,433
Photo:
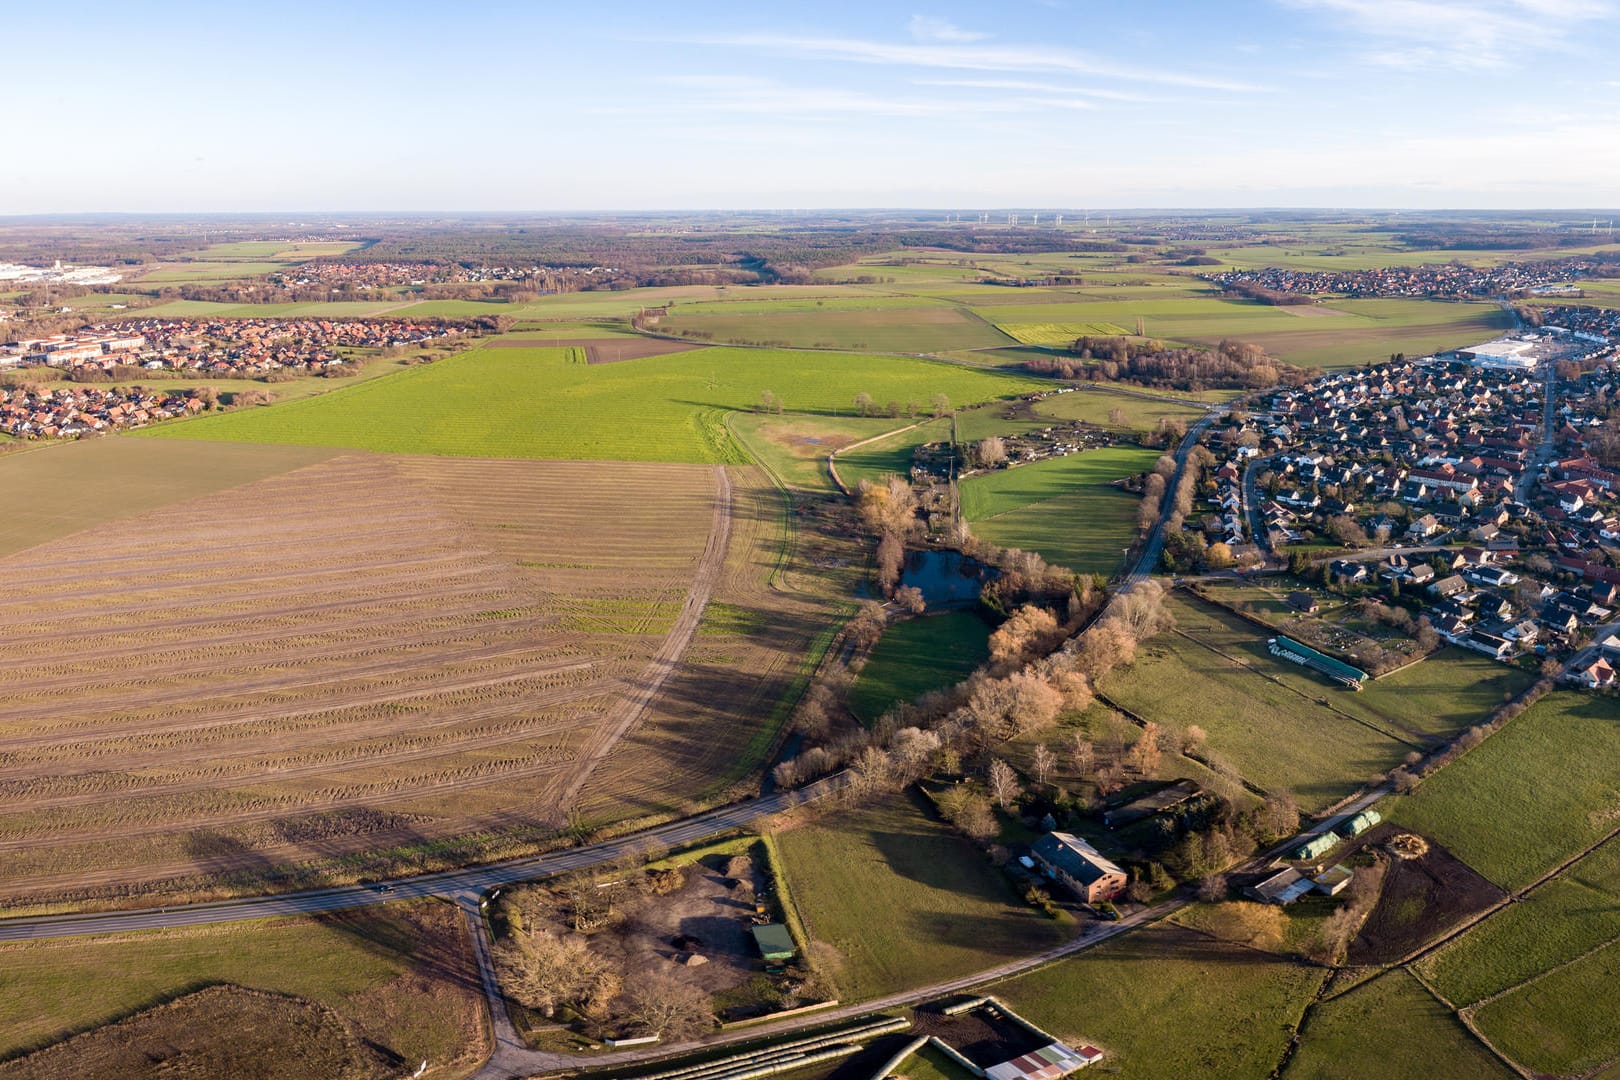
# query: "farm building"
1360,823
1316,847
1304,655
1047,1063
1333,881
774,942
1173,794
1303,602
1281,888
1079,866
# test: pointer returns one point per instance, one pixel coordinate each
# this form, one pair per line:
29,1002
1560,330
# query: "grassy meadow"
893,898
400,975
548,403
1530,797
916,656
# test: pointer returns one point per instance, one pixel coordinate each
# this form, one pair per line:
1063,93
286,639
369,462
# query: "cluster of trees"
1255,291
1231,365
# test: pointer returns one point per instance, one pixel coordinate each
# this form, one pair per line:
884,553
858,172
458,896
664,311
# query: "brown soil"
983,1039
220,1031
1422,898
601,350
364,653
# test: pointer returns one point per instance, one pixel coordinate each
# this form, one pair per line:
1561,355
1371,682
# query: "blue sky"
1022,103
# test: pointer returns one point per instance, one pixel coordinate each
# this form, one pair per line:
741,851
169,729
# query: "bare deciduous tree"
660,1005
1042,763
1002,781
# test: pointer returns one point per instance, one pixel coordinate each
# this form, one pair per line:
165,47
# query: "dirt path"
629,710
832,466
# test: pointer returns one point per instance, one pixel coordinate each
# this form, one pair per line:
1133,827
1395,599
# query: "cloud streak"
1458,34
1009,58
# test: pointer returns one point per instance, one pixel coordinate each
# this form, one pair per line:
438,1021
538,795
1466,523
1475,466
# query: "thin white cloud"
746,95
930,28
1039,87
1014,58
1458,34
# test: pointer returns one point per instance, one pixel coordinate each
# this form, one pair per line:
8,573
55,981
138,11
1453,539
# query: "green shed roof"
774,941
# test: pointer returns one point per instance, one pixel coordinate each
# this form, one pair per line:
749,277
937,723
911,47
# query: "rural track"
629,710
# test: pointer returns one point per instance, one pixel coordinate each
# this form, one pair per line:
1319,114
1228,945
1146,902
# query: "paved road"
1153,548
456,883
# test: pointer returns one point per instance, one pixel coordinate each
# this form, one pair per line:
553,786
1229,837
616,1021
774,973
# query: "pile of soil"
1423,898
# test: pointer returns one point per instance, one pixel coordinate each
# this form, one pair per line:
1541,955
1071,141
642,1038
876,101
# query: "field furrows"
288,658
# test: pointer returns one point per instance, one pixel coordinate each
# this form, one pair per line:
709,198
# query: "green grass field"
1553,925
895,899
795,446
1390,1026
989,494
54,490
1531,796
395,973
1564,1024
1062,508
913,329
916,656
1170,1003
1283,727
548,403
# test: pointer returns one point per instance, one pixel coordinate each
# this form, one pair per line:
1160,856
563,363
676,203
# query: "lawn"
1531,796
1390,1026
401,975
1064,508
1171,1003
1553,925
58,489
894,899
916,656
548,403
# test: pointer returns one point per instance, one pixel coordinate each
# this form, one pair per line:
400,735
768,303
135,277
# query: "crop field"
55,490
1166,1002
335,309
722,709
945,911
1281,726
289,251
403,650
918,655
913,329
1063,507
1390,1026
399,977
549,403
181,272
1059,333
1566,750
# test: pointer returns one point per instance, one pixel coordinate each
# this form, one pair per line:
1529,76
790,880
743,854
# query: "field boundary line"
711,565
832,468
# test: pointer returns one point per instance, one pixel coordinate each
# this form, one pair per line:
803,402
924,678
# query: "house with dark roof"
1080,867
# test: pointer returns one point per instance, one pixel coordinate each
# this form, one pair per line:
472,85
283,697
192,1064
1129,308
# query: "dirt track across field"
606,350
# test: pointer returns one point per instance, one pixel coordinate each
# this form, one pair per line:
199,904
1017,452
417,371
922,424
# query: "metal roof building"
1047,1063
774,941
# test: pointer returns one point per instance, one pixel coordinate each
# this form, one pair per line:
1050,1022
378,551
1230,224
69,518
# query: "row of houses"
222,346
72,412
1428,280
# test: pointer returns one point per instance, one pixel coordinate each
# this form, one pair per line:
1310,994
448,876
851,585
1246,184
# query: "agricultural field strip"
628,710
276,720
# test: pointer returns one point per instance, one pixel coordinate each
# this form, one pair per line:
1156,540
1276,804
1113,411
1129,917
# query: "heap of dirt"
982,1038
1427,892
219,1031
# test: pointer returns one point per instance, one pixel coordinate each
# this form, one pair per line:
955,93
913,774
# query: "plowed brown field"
376,663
